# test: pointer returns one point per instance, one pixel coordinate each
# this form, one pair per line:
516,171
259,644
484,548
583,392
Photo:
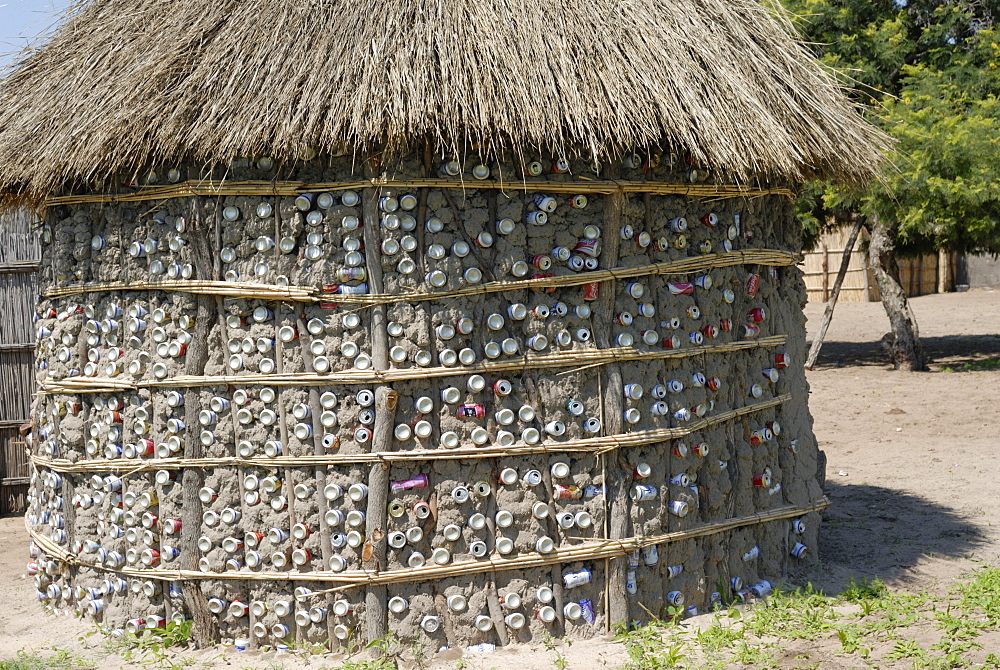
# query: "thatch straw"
132,82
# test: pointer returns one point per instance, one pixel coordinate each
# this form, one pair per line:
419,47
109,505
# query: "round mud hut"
466,322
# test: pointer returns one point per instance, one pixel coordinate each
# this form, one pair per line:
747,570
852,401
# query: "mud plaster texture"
131,336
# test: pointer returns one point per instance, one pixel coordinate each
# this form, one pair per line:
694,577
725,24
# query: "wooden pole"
206,628
825,269
845,260
376,605
944,271
616,485
867,272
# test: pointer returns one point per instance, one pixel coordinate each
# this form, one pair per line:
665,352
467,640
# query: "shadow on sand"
871,531
958,353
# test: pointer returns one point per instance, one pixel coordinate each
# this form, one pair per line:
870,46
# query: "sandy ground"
911,475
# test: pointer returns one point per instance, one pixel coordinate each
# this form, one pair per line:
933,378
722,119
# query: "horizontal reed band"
770,257
592,550
571,359
593,445
293,188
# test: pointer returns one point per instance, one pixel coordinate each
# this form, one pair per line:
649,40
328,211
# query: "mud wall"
492,485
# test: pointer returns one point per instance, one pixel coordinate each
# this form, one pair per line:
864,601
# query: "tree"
927,72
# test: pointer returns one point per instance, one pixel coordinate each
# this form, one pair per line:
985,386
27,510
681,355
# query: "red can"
591,290
116,417
710,331
756,314
173,526
681,288
753,284
543,289
587,247
672,342
781,360
471,412
679,449
756,438
349,274
710,220
713,383
154,556
502,387
181,350
700,449
74,407
763,480
751,331
568,492
541,261
144,447
726,325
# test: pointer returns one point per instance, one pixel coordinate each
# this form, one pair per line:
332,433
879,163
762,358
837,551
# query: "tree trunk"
902,344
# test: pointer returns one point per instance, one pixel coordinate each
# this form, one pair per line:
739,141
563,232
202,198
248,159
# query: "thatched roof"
132,82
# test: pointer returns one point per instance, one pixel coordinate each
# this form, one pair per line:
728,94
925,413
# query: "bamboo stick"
588,358
209,187
596,445
690,265
590,551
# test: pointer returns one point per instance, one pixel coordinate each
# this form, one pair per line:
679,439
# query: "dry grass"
126,83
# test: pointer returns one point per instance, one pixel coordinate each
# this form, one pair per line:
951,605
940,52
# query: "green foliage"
718,637
928,73
905,648
61,658
150,646
864,591
560,661
802,614
983,594
647,649
384,655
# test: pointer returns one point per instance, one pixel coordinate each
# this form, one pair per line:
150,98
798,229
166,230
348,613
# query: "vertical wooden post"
206,628
376,606
613,403
943,271
867,270
826,272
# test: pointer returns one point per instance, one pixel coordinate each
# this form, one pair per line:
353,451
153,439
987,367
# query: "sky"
22,21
